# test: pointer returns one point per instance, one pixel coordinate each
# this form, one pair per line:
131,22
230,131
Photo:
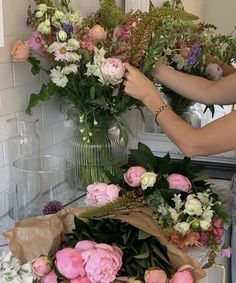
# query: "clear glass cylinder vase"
94,158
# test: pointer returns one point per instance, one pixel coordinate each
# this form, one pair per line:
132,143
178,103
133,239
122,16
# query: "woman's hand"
138,85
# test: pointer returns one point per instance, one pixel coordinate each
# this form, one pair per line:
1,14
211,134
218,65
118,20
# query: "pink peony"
113,70
80,280
183,275
155,276
69,263
20,51
102,262
97,33
41,266
49,278
133,175
36,41
99,194
226,252
214,71
179,182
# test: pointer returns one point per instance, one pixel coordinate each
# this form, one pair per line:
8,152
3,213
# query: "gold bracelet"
159,110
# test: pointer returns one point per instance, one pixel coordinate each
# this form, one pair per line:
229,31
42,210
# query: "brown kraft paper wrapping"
43,235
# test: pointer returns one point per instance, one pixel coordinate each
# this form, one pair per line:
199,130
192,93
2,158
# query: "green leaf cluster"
141,251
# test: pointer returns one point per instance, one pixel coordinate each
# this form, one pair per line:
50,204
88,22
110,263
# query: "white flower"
148,179
94,69
73,57
182,227
173,214
72,68
204,224
39,14
73,44
58,78
207,214
178,201
62,35
76,17
193,206
44,27
52,48
58,15
42,7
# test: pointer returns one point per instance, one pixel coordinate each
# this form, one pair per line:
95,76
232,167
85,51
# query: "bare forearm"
196,88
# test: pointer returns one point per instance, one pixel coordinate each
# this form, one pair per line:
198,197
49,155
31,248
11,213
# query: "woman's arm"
216,137
196,88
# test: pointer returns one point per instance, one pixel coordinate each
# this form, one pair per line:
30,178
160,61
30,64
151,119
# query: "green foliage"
141,251
112,14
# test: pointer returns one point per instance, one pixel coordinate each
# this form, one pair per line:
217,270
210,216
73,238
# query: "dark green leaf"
34,100
143,256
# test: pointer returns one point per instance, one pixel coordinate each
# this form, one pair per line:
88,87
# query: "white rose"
205,225
148,180
62,35
193,206
182,227
174,215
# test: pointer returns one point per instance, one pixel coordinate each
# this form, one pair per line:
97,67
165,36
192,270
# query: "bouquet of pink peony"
182,203
85,55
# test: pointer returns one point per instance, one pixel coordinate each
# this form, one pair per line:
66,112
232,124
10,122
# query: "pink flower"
61,52
155,276
217,222
49,278
214,71
87,43
20,51
80,280
102,262
179,182
133,175
36,41
226,252
97,33
124,33
183,275
69,263
99,194
41,266
113,70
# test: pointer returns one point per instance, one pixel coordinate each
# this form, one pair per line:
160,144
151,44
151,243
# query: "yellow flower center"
63,50
37,39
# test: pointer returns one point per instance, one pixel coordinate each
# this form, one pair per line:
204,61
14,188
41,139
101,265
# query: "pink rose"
226,252
80,280
214,71
20,51
133,175
102,262
41,266
99,194
179,182
183,275
49,278
69,263
155,276
98,33
113,70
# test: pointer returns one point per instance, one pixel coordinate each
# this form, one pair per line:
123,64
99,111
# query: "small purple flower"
68,28
226,252
51,207
194,54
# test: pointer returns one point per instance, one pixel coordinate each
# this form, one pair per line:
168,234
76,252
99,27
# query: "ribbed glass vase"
94,158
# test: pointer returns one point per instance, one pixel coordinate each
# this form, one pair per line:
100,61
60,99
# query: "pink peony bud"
179,182
99,194
20,51
98,33
41,266
113,70
214,71
155,276
226,252
183,275
49,278
80,280
133,176
69,263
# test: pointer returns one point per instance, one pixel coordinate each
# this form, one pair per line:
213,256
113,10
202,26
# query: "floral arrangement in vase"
85,58
181,201
191,47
